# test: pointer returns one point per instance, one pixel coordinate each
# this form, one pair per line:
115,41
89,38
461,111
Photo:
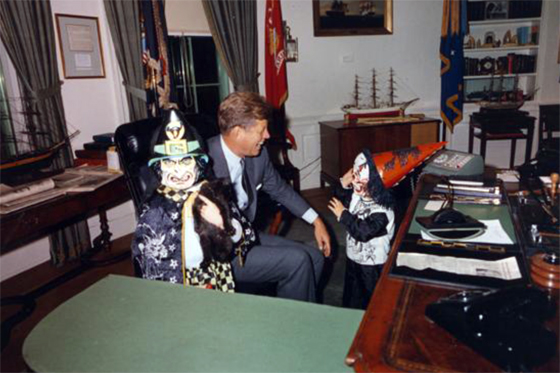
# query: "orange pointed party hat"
394,165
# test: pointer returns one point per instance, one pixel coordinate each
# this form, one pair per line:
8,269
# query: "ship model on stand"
32,150
376,109
499,98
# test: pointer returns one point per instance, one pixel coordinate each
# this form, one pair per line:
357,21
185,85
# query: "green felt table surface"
484,212
124,324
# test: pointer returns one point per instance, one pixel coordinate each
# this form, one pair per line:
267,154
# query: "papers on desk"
508,176
494,234
504,269
85,179
80,179
17,198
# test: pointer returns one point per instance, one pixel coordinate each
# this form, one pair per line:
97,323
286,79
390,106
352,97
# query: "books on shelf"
97,145
90,154
108,138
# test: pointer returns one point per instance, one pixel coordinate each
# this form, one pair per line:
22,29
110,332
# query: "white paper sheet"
505,269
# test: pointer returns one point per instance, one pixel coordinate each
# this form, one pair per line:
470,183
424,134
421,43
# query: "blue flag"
452,61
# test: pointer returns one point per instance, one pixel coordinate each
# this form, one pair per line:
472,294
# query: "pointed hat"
394,165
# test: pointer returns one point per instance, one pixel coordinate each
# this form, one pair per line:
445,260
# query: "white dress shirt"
236,174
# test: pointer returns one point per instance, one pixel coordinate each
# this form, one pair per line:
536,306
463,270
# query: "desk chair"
549,122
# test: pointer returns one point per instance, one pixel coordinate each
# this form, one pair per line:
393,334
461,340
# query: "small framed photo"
80,46
496,10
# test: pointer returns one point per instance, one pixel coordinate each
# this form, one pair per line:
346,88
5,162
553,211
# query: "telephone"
505,325
456,164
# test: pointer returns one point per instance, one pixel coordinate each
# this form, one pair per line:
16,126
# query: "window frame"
224,83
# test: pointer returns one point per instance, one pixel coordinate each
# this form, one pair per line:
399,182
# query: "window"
200,78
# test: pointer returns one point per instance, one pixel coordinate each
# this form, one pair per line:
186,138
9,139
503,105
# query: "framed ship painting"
352,17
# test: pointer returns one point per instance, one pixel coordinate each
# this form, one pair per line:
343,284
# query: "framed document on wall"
80,46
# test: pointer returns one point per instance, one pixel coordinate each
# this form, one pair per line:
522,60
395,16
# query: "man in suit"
238,155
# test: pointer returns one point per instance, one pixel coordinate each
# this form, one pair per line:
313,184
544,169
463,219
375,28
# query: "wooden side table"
341,142
502,125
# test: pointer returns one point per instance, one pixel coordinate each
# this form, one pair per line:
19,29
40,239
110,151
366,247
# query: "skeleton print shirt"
370,228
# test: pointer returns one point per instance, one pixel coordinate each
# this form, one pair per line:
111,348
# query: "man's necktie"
245,184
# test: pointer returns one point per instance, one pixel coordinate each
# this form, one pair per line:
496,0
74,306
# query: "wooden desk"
21,227
395,335
341,142
124,324
24,226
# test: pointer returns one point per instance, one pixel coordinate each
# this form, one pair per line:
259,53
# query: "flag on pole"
452,62
158,74
276,82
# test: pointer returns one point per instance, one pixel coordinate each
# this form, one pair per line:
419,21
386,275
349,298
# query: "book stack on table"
95,153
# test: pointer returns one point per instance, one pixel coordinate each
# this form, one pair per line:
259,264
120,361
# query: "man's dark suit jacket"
261,174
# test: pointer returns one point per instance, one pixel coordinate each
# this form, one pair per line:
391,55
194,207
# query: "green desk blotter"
124,324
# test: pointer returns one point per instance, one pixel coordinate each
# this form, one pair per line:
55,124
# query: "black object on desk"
505,326
488,125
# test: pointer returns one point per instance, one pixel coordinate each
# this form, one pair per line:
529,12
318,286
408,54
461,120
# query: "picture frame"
496,9
80,46
352,17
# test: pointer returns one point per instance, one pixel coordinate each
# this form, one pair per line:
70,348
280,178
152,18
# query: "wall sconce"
291,45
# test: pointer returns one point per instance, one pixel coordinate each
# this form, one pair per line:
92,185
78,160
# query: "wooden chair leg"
483,146
512,155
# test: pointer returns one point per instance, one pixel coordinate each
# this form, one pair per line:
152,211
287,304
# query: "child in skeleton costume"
364,204
365,208
190,228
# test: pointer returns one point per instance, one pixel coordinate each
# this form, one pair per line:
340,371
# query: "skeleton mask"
360,174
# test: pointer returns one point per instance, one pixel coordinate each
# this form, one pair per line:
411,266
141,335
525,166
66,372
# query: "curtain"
124,23
27,31
234,29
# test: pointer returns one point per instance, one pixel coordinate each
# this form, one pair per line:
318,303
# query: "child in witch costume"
364,204
189,229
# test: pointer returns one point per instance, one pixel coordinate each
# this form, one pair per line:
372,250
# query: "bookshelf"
501,47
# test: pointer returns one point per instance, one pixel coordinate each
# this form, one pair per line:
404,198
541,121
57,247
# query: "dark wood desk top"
341,124
395,335
24,226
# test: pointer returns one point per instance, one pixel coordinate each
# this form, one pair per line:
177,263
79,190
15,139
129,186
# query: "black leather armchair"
133,141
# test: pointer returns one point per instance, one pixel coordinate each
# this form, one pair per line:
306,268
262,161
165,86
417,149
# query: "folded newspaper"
80,179
505,269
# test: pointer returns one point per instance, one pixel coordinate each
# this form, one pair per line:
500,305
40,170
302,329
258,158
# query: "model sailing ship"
501,99
35,157
376,108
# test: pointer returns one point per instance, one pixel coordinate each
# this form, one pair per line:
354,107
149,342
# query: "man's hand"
336,207
322,237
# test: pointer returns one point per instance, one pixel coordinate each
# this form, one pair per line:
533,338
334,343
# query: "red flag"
276,83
